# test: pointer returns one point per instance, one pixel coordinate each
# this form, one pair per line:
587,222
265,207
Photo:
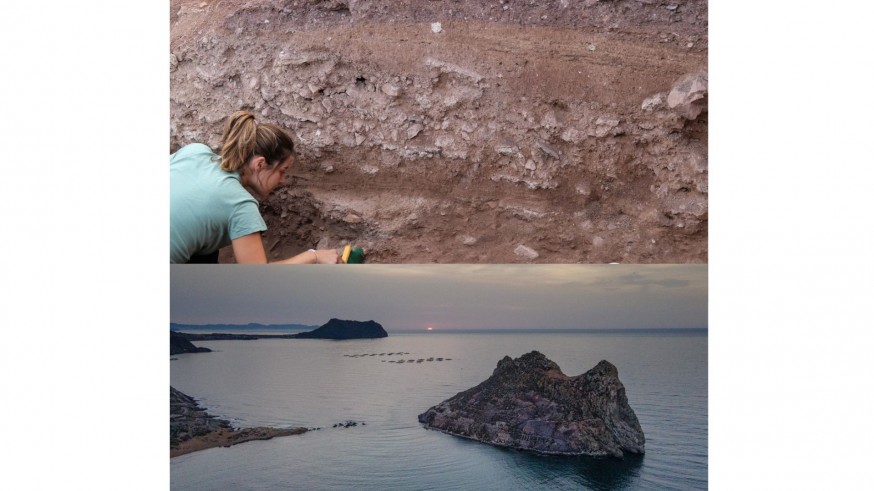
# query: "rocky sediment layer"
193,429
464,132
529,404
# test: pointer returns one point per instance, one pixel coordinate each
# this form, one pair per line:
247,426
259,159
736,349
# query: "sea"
319,383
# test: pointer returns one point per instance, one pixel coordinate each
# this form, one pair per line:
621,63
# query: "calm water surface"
303,382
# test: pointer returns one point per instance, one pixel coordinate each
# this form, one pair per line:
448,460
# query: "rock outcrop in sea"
179,343
529,404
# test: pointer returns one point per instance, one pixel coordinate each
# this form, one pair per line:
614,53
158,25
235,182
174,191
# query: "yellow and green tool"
353,256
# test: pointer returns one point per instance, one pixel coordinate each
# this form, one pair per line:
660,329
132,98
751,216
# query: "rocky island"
193,429
529,404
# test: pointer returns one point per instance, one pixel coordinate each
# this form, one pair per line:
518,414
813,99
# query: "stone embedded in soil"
688,97
529,404
653,102
526,252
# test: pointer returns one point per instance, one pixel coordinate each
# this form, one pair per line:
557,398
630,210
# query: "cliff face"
511,132
341,329
529,404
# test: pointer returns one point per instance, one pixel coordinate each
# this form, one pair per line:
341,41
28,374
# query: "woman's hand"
328,256
249,249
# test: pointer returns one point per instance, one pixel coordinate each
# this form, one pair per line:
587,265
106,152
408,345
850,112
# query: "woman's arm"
249,249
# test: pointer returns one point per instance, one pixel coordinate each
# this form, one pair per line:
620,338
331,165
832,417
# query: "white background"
85,306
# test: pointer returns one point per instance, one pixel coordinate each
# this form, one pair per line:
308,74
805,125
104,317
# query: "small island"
193,429
529,404
341,329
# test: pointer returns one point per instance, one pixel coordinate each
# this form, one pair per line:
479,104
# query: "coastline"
193,429
229,437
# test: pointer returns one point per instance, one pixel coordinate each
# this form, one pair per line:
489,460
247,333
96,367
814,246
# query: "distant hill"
334,329
340,329
240,327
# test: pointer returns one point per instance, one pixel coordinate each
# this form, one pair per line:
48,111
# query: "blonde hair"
243,139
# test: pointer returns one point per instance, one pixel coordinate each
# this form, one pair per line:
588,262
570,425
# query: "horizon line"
456,329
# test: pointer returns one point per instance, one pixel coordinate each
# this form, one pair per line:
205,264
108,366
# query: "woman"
213,199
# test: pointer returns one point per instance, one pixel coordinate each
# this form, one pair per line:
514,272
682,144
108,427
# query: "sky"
444,297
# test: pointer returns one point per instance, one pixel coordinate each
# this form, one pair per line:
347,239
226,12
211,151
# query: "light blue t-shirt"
209,207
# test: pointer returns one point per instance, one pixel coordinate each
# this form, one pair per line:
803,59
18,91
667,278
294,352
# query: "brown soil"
521,132
226,438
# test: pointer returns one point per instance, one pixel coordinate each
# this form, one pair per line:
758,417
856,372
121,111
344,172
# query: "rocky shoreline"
193,429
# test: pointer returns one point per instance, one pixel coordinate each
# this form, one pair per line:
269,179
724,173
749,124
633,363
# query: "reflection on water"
597,473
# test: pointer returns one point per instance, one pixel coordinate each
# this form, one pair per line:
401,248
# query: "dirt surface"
543,132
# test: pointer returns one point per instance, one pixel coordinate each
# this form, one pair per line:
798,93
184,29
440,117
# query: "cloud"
643,277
